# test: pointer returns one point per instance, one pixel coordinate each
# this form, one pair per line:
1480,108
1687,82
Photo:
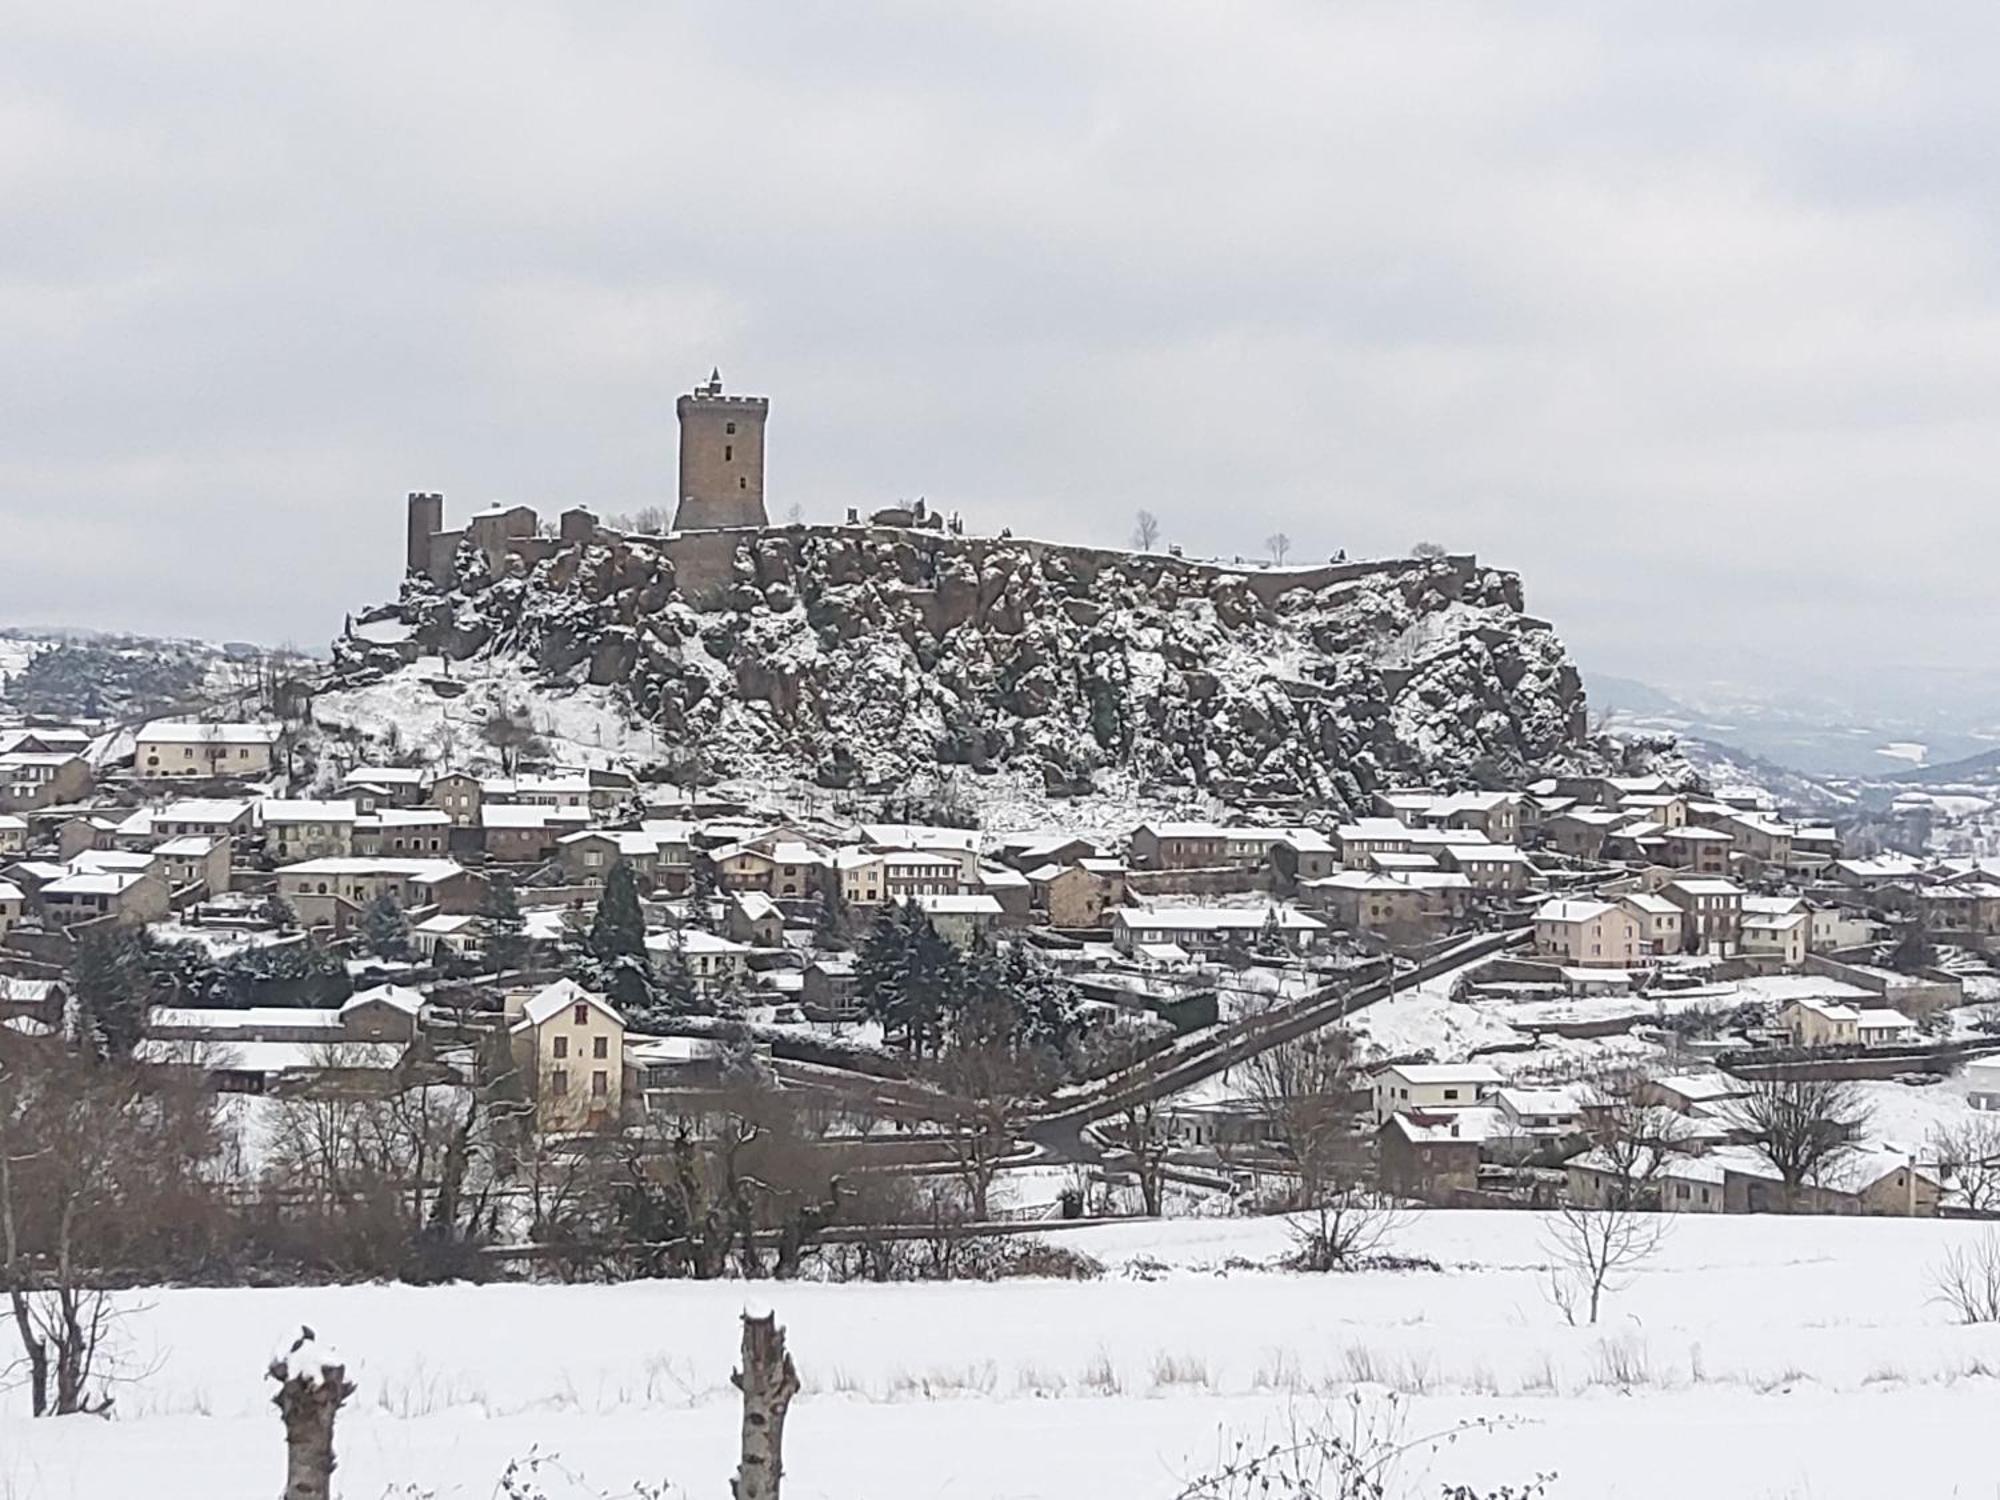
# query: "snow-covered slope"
861,657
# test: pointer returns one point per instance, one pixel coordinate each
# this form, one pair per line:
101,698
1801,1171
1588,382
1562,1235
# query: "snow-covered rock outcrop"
867,653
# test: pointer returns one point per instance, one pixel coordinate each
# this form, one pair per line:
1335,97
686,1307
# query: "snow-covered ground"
1755,1357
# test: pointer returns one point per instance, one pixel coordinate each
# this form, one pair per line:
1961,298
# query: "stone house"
336,891
1179,846
1700,851
1493,869
128,896
1080,895
195,859
753,917
296,830
14,836
715,963
32,779
460,795
13,904
1712,914
1659,922
1212,930
1427,1156
962,919
403,832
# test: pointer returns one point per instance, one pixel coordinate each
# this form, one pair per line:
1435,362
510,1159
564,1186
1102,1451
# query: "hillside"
860,658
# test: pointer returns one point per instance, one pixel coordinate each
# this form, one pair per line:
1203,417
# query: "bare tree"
1632,1141
988,1084
1279,546
1802,1126
1302,1088
1968,1281
1968,1155
1592,1251
512,732
101,1167
1142,1132
1145,531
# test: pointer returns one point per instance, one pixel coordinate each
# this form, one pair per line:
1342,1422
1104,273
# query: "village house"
1014,892
1537,1117
13,904
525,833
1711,914
1580,833
174,747
1206,931
1777,927
1824,1021
14,835
195,859
963,920
714,963
753,917
1313,856
129,895
788,869
1431,1088
1982,1083
1658,920
1179,846
31,779
372,788
335,891
1763,844
459,795
829,984
225,818
1588,934
295,830
1361,841
402,831
449,936
1430,1157
1493,869
1027,852
569,1050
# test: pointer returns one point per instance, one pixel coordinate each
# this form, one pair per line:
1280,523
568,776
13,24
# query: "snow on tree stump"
312,1385
768,1382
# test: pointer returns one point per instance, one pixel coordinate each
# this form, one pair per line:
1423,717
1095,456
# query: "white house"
1428,1088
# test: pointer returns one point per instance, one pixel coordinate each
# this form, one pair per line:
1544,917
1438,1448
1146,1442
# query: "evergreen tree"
506,929
110,990
385,927
1271,937
619,928
910,977
830,927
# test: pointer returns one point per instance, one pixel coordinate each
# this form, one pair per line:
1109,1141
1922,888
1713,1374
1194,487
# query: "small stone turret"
722,459
426,520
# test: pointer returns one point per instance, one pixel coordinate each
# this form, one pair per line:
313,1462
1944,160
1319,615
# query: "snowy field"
1754,1358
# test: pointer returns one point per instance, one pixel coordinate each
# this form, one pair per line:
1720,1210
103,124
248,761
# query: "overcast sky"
1688,312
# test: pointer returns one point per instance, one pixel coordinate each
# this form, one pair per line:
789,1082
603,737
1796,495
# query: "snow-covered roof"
692,940
1883,1020
755,905
271,1057
957,906
1215,918
94,883
556,998
11,892
387,776
1441,1073
398,996
1184,830
422,870
1650,904
917,836
187,846
286,810
1572,909
163,1019
188,732
192,810
1522,1101
1699,885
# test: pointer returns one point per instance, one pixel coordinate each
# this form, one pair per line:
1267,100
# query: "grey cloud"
1684,311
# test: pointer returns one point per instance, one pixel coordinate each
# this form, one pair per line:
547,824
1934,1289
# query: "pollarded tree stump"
768,1382
312,1386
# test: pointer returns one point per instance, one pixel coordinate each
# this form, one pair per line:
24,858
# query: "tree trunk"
311,1389
768,1382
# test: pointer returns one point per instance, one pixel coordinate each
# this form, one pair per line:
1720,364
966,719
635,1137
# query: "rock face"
865,654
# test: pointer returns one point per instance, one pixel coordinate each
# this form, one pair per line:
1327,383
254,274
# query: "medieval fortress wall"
720,512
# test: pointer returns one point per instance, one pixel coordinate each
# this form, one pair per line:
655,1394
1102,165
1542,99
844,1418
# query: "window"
600,1083
743,484
1451,1093
728,452
562,1046
600,1047
582,1014
730,428
559,1082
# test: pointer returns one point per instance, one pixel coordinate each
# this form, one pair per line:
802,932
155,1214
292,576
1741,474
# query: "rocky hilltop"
863,655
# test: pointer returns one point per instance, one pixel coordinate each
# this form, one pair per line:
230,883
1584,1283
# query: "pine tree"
910,978
110,991
506,929
619,928
830,928
385,927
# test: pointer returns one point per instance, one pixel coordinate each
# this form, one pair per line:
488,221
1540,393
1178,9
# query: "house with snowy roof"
297,829
182,747
1431,1088
1178,846
34,779
568,1045
1587,933
1208,931
1711,913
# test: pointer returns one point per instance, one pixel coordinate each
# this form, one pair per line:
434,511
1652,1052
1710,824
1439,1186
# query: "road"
1060,1131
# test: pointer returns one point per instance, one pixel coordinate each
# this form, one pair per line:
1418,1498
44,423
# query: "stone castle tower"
722,459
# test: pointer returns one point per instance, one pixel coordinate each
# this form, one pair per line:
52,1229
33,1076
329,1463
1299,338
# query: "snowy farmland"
1755,1357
